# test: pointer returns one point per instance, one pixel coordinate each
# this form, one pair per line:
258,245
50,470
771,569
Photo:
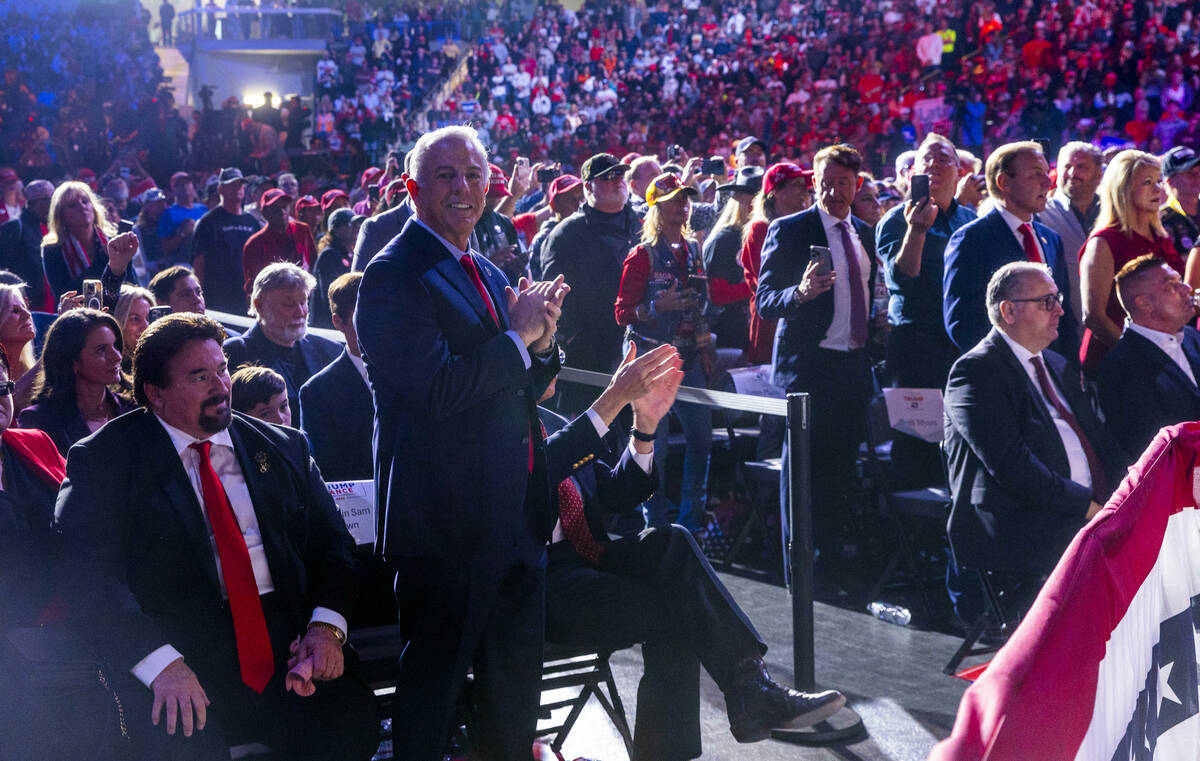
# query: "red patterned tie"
574,522
473,272
858,296
1099,481
1032,252
249,624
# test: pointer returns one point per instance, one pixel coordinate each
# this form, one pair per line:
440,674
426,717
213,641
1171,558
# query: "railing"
236,23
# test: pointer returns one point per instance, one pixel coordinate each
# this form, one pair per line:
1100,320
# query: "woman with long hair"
133,315
16,338
80,386
727,288
784,191
1128,227
75,246
661,301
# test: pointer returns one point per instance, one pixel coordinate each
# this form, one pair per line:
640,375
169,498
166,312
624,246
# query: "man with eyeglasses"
589,248
1029,462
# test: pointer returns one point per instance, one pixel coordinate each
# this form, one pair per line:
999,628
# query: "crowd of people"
164,476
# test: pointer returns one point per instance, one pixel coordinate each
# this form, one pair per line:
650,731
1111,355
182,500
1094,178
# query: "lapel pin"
261,459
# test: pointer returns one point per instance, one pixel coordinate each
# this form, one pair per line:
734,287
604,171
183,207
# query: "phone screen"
920,187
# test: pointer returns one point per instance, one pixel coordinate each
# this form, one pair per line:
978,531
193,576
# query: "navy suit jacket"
454,410
974,253
253,346
142,568
1014,507
1142,389
337,414
785,256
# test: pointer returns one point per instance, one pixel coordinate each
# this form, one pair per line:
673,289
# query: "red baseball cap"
562,184
8,175
272,197
306,202
369,176
332,196
393,189
497,182
779,174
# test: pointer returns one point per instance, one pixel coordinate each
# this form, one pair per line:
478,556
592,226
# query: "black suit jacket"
785,256
141,562
1014,507
1142,389
21,254
377,232
253,346
337,414
454,410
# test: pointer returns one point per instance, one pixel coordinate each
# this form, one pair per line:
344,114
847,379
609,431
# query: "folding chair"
567,668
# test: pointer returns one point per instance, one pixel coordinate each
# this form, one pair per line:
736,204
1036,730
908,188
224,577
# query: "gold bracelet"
341,635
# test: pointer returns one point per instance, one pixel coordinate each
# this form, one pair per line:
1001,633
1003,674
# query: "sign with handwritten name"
755,381
355,500
915,411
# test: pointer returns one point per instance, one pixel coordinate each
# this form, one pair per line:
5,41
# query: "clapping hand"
534,309
121,250
634,379
663,383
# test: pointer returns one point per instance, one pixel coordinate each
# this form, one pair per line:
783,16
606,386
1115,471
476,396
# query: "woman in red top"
784,191
1128,227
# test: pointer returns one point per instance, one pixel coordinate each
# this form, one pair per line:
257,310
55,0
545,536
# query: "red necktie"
858,297
472,272
574,523
249,624
1099,482
1032,252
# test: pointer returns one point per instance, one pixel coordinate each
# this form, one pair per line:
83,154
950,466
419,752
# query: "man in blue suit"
1018,180
335,404
1148,380
820,344
456,362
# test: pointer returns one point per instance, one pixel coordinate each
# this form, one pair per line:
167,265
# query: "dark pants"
658,589
918,358
458,616
338,722
839,384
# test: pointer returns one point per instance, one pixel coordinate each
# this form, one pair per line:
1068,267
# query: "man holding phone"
817,270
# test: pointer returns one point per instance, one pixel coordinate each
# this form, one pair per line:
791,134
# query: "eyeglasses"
1049,301
6,388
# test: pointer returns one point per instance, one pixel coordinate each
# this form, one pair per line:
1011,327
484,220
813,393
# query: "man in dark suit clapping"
203,551
1029,462
820,345
1148,380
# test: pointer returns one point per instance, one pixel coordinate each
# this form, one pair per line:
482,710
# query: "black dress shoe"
756,704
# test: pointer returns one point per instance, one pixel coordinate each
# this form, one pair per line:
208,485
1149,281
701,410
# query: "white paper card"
355,500
915,411
755,381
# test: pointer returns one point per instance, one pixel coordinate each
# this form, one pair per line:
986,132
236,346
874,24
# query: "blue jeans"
696,421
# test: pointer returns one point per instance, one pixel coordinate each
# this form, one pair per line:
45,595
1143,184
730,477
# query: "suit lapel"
453,271
1001,232
1050,252
1157,358
1014,365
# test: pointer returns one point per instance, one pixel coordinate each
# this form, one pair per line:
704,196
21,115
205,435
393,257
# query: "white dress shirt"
1080,472
458,254
838,335
225,463
1014,224
1171,344
644,461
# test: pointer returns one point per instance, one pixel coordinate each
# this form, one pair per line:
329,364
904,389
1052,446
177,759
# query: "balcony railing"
234,23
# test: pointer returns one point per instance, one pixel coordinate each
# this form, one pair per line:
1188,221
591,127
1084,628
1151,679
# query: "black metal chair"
587,669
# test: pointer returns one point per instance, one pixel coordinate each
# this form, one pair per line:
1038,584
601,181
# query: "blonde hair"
56,231
651,224
1116,190
129,293
21,364
732,215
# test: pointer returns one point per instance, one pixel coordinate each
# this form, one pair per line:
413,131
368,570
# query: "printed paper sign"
915,411
756,381
355,500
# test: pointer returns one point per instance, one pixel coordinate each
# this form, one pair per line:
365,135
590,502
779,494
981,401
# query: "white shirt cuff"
330,616
601,428
516,338
147,669
644,461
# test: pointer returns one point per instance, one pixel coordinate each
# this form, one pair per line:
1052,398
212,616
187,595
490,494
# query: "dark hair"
164,282
164,339
64,342
343,294
253,385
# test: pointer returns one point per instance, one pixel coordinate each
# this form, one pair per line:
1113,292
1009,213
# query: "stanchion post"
800,548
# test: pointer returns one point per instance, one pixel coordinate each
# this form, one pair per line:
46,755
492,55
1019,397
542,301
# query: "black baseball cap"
745,143
230,174
1179,159
603,165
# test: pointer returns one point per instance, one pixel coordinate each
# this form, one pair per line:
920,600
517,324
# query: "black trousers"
458,616
339,722
659,590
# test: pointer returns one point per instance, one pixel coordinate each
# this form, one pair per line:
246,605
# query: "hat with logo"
779,174
307,202
230,175
602,165
497,182
272,197
1178,159
665,187
331,197
152,195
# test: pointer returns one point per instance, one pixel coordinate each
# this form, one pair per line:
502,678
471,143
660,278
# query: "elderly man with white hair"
279,337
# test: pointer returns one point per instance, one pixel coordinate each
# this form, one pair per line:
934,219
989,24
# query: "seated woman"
261,393
80,386
17,333
133,315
